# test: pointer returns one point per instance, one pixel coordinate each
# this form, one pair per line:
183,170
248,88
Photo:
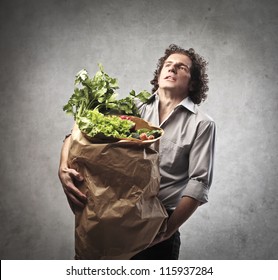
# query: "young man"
186,148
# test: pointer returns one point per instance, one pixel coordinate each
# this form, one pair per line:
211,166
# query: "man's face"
175,74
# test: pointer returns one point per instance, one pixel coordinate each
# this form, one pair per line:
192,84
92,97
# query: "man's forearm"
64,153
183,211
65,150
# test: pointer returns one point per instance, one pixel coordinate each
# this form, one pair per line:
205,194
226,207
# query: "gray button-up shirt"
186,151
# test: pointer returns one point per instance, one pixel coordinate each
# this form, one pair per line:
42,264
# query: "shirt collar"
186,103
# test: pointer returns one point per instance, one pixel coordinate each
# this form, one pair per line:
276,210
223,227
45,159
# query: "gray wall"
43,44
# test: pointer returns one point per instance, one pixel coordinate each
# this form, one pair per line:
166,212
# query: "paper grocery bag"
123,214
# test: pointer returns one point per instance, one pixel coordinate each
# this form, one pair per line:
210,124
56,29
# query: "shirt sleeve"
201,159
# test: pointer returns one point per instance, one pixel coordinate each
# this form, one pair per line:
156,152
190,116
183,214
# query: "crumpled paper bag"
123,214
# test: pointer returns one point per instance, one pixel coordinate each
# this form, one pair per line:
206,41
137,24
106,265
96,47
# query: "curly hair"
199,78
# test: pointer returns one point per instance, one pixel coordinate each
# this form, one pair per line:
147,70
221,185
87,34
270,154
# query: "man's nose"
173,68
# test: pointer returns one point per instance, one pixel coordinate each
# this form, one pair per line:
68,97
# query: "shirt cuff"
197,190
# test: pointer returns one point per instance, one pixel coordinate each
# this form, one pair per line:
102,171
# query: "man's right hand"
75,197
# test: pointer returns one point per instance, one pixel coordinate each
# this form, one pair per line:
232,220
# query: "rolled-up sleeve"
201,159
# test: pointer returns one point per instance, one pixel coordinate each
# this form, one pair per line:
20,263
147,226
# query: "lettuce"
95,124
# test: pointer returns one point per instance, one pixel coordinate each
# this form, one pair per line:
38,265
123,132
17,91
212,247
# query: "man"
186,148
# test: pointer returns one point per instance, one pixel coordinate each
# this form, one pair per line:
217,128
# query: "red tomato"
123,117
143,136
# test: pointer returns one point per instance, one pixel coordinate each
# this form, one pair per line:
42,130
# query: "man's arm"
183,211
200,173
67,176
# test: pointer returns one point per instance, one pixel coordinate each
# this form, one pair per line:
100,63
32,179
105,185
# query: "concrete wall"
43,44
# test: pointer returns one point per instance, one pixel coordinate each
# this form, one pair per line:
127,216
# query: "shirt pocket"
173,157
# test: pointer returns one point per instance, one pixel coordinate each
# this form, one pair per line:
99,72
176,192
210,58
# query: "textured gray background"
43,44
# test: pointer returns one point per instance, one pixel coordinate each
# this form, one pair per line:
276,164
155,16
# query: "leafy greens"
99,92
96,124
95,98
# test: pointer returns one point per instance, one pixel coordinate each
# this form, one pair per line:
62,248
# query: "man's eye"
184,68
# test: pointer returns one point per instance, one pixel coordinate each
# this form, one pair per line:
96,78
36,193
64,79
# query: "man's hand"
183,211
69,178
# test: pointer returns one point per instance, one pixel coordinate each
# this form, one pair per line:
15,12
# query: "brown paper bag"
123,213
